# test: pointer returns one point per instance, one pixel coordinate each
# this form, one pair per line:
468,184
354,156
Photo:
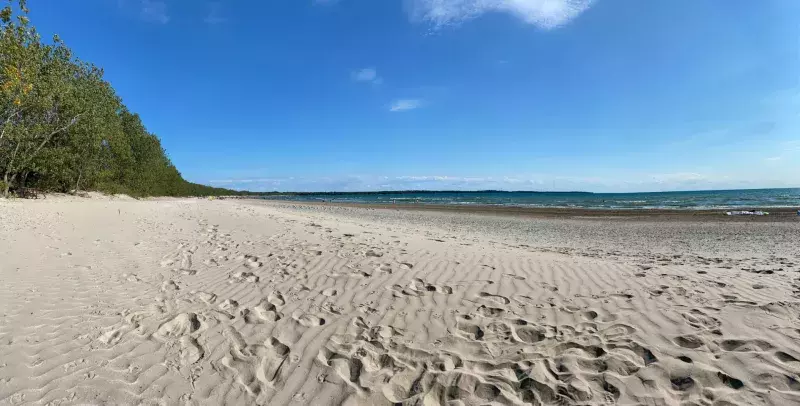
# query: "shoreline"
775,214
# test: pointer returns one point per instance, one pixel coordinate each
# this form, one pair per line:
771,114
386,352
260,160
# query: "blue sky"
604,95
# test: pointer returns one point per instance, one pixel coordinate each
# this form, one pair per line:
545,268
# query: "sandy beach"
173,302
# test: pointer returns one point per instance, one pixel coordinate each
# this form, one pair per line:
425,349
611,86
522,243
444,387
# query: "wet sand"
775,214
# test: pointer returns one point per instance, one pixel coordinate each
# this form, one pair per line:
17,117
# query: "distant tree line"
63,128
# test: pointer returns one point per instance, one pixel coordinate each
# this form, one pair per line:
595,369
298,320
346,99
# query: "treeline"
65,129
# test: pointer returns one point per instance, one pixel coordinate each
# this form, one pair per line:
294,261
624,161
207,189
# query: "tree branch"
5,124
10,166
47,138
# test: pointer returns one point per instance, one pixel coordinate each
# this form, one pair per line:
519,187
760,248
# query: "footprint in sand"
549,287
111,337
494,298
485,311
332,308
186,260
251,262
181,325
747,345
256,367
530,334
307,320
616,331
419,285
623,295
590,315
241,277
399,291
786,358
364,308
228,305
276,298
689,341
190,351
208,298
264,312
701,320
131,277
300,288
734,300
359,274
274,359
169,286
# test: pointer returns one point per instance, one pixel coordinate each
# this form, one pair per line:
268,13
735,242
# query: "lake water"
712,199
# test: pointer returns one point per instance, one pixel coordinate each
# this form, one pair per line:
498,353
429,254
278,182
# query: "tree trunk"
78,182
6,184
8,181
24,179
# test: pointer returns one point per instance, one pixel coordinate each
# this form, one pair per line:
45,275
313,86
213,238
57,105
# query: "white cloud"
680,177
154,11
275,181
367,75
774,158
405,105
545,14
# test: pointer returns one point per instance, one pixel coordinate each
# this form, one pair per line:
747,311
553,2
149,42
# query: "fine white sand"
112,301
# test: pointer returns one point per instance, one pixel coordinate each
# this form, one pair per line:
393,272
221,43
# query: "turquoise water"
711,199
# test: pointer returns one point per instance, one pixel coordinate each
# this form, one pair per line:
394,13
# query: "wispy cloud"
405,105
678,177
214,15
154,11
367,75
545,14
788,149
275,181
792,145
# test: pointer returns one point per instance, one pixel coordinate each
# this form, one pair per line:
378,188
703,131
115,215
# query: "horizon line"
500,191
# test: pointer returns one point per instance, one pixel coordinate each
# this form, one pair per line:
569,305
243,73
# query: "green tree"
39,99
64,127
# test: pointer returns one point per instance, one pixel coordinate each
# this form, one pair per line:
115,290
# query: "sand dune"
220,302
